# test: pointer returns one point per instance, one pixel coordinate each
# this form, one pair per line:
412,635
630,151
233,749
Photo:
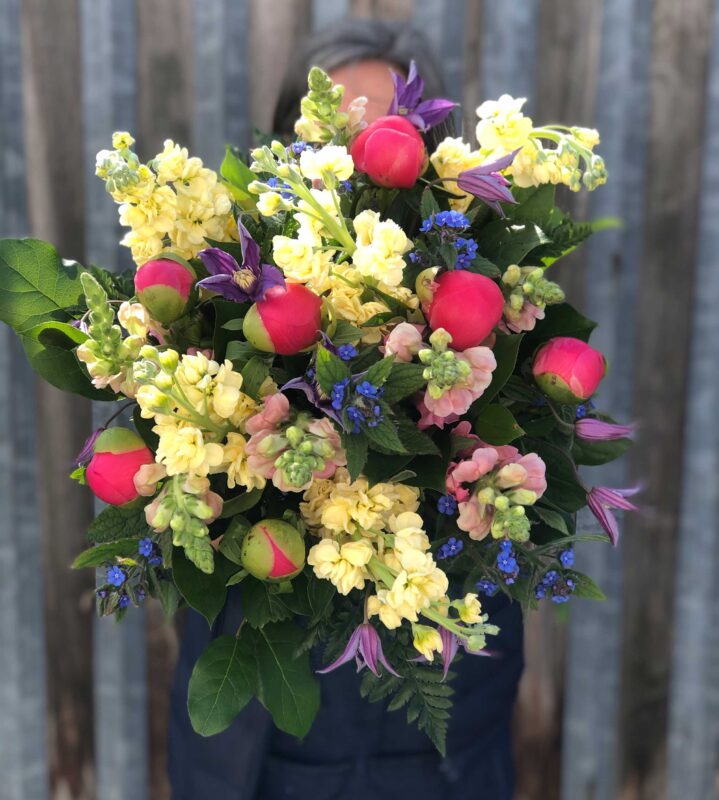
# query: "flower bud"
287,321
568,370
164,286
118,454
273,550
467,306
391,152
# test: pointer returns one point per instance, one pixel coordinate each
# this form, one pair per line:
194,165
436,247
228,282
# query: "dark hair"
348,42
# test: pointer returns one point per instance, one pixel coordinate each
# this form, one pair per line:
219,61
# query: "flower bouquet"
340,380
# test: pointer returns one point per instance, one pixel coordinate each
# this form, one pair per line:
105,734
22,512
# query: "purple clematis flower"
595,430
488,184
365,647
407,101
246,282
450,645
602,501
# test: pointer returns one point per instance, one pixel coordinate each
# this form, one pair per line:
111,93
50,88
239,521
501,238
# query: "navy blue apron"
355,749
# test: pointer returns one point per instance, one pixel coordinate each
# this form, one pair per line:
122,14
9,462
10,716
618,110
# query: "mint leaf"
114,523
330,369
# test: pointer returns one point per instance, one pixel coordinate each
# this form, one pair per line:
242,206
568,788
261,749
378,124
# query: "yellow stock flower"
182,449
238,472
470,609
451,157
502,126
344,565
331,160
380,247
427,641
378,605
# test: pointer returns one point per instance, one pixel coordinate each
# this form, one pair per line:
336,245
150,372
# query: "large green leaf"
221,684
330,369
35,286
496,425
118,522
206,593
564,489
505,243
404,379
595,453
261,603
102,553
49,347
238,177
355,447
560,320
286,686
505,352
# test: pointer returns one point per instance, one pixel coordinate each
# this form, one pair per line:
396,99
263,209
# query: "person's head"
359,54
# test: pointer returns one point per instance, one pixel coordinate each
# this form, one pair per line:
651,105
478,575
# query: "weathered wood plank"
23,711
108,55
680,47
693,757
53,119
589,759
328,12
442,22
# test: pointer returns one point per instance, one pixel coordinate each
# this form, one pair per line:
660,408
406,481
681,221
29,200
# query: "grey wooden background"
620,699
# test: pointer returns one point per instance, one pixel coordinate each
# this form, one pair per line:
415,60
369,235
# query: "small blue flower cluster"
507,562
147,549
345,187
445,219
584,408
116,576
556,586
566,558
274,183
487,587
466,252
447,505
362,408
347,352
296,148
451,547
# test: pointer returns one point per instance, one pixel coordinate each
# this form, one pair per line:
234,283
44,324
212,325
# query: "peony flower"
118,454
273,550
391,152
286,321
163,286
568,370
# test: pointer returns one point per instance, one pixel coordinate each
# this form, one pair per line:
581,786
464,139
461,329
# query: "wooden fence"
620,699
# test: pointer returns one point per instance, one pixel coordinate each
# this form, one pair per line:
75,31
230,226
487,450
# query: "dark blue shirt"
355,749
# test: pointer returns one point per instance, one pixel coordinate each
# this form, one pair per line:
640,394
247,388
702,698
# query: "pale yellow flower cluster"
418,583
338,506
345,565
330,164
200,412
173,203
380,247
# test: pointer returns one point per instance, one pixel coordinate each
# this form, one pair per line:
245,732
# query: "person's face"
371,79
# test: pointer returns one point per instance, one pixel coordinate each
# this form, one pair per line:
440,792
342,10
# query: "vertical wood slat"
443,23
23,754
329,12
589,758
121,740
680,55
693,757
53,141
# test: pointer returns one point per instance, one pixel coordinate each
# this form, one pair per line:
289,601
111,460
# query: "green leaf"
505,243
380,467
384,437
242,503
428,204
585,587
495,425
346,333
330,369
593,454
50,349
379,319
239,176
240,353
144,428
261,603
403,380
287,688
505,352
483,266
118,522
35,286
429,473
414,440
231,544
227,313
101,553
552,518
355,447
561,320
165,591
534,204
378,373
221,684
253,376
564,489
205,593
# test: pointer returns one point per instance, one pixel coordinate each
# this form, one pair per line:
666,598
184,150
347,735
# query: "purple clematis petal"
602,500
245,282
365,647
407,101
595,430
84,456
450,645
488,184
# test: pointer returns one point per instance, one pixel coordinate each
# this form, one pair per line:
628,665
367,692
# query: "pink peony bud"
391,152
286,321
163,286
118,455
467,306
568,370
273,550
